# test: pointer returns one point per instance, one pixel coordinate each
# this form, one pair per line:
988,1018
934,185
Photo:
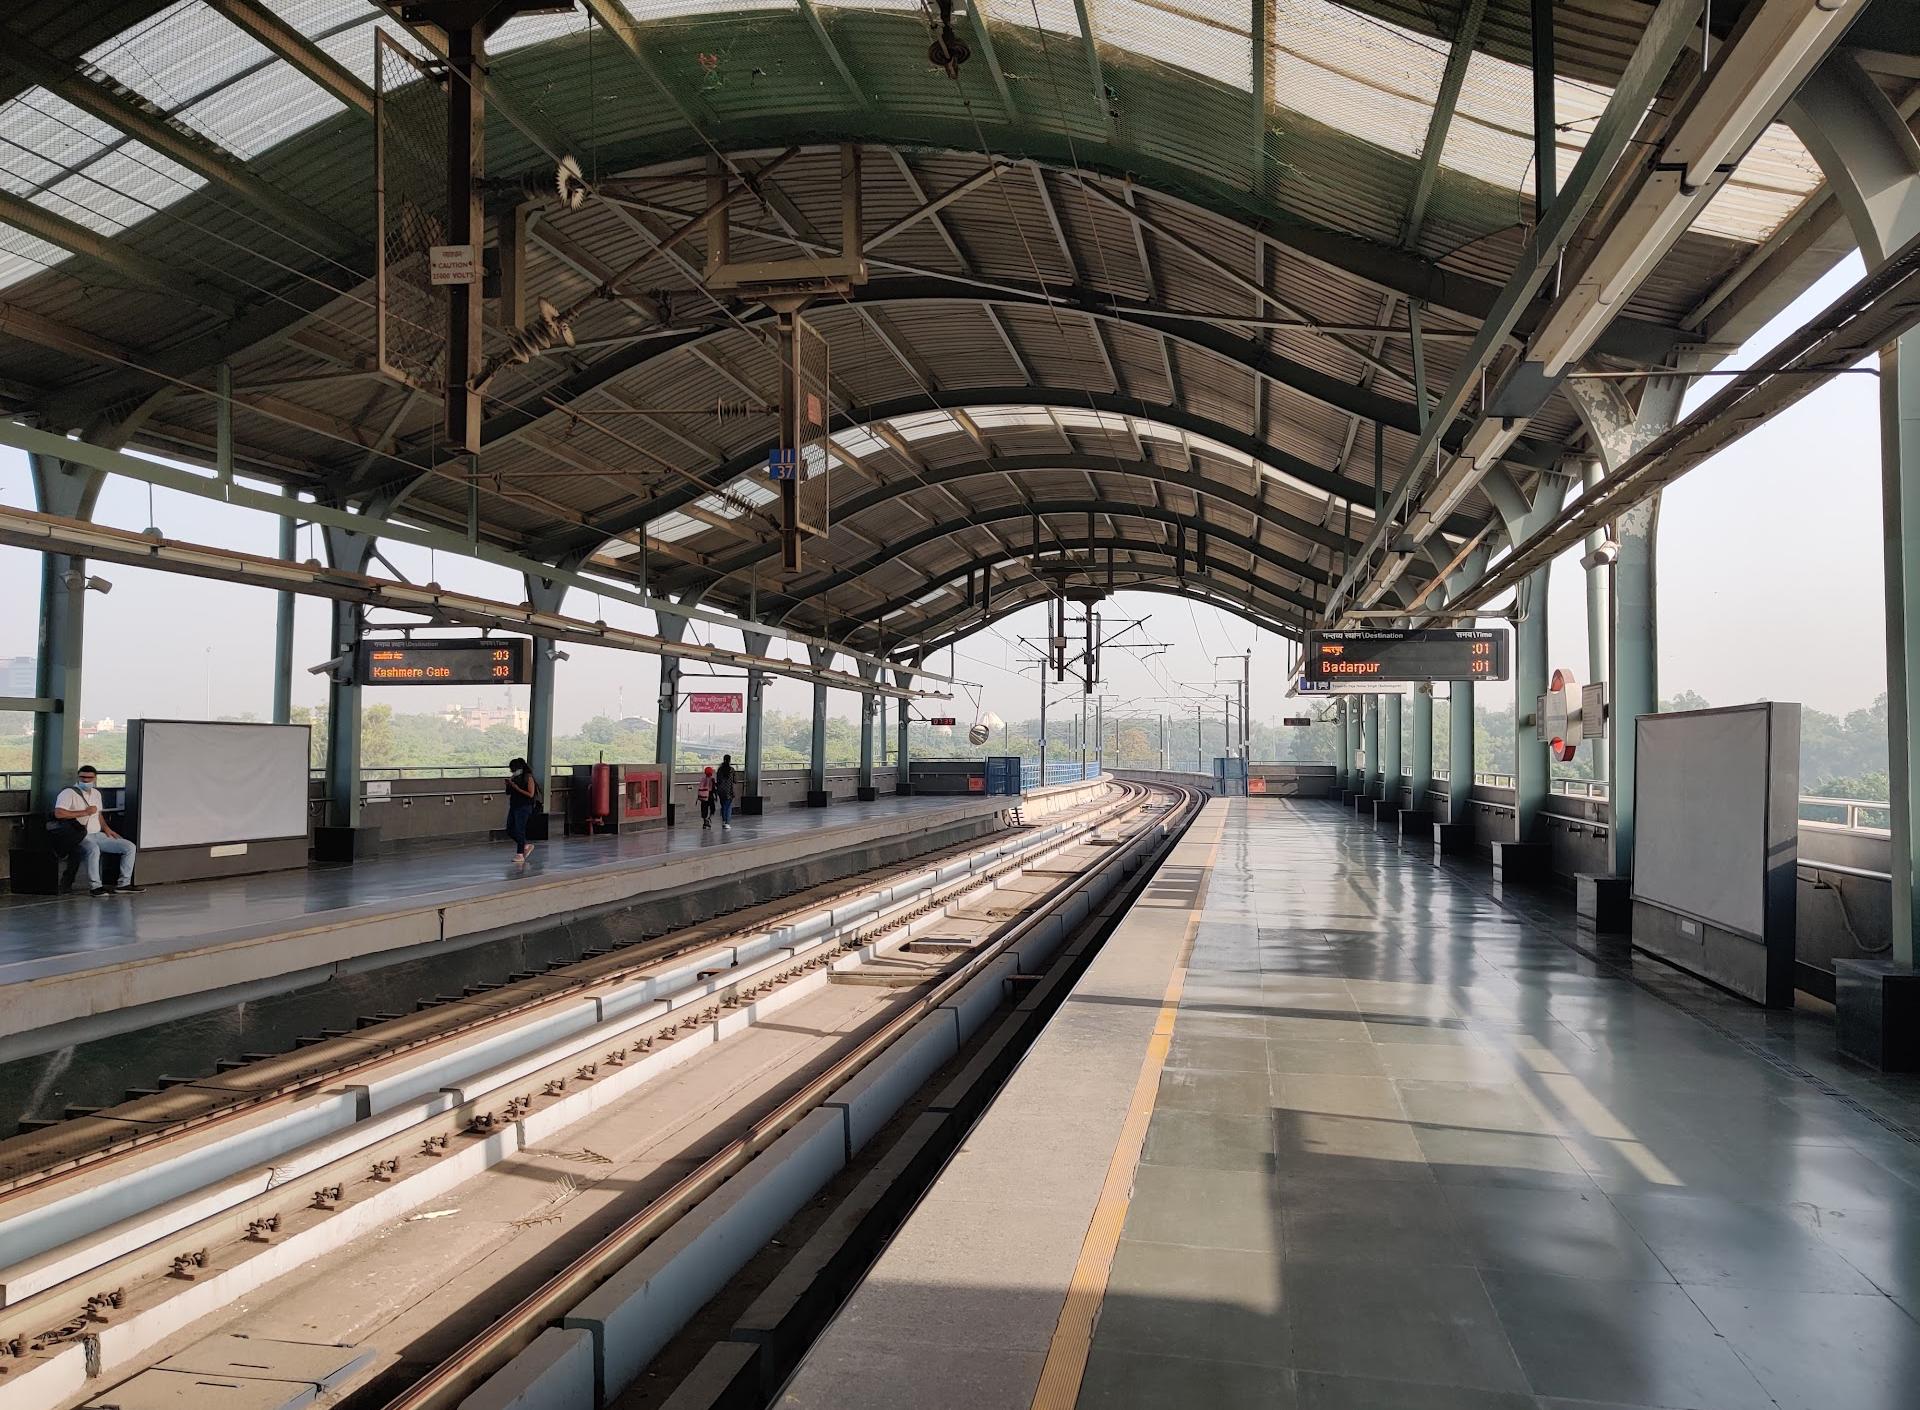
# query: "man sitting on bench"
81,803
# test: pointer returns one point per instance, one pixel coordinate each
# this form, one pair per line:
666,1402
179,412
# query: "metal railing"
1058,771
1855,814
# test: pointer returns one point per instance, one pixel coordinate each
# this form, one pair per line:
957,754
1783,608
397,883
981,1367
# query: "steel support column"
1872,161
1599,600
1420,766
466,225
1350,744
818,794
1460,707
1532,771
69,490
1371,778
754,750
545,595
283,629
344,837
868,708
903,783
666,730
1390,748
1619,430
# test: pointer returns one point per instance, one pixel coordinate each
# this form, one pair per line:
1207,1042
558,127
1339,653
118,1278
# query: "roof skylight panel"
674,526
1209,37
262,110
120,188
178,55
1054,16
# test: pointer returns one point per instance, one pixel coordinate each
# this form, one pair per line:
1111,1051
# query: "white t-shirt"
75,798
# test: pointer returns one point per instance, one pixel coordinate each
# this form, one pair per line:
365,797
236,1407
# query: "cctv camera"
1601,557
337,668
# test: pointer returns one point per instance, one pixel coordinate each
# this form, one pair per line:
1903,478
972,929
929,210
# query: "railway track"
124,1255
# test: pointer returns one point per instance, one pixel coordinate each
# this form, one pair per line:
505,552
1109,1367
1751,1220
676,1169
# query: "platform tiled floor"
1410,1150
42,935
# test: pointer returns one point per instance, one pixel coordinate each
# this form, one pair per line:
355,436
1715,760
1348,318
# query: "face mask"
86,782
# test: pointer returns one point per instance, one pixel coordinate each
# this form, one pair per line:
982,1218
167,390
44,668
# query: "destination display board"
1419,654
455,661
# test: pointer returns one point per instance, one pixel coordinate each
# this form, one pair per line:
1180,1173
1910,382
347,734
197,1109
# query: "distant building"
18,676
485,716
104,725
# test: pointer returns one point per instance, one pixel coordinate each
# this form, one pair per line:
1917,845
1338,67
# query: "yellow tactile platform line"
1066,1362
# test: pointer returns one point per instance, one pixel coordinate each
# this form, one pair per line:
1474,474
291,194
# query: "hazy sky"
1772,546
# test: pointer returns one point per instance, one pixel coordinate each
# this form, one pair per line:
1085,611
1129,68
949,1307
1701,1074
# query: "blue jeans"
98,842
726,809
518,815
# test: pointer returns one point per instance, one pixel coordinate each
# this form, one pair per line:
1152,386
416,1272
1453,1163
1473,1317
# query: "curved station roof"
1143,275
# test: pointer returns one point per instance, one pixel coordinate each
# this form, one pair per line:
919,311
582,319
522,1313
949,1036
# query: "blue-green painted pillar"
283,626
1390,748
543,595
1459,750
666,730
1599,609
351,552
1867,151
1634,655
902,779
1351,710
818,794
753,750
1371,782
869,708
1420,766
67,490
1532,769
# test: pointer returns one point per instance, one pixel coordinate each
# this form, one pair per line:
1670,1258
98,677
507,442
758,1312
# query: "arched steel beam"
745,557
629,517
933,533
1249,354
1211,594
1385,267
1200,566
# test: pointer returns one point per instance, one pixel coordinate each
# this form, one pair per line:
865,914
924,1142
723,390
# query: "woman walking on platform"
523,797
723,786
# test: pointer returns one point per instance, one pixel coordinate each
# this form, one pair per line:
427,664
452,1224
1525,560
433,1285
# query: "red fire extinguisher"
600,794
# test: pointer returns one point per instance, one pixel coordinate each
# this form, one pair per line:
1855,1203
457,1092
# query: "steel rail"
460,1374
324,1073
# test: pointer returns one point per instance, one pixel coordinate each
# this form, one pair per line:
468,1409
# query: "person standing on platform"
523,797
80,803
705,792
723,788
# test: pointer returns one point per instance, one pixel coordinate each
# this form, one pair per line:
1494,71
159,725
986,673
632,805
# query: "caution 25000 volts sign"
1425,654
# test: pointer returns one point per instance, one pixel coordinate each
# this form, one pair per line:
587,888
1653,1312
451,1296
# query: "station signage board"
714,702
1366,655
452,661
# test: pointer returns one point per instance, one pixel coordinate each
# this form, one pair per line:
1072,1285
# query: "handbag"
66,833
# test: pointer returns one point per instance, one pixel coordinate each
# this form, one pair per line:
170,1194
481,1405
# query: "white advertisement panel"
1700,827
198,783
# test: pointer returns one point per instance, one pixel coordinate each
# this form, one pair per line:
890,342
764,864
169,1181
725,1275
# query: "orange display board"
1256,783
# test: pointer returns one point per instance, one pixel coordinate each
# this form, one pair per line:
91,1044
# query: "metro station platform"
80,965
1327,1125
